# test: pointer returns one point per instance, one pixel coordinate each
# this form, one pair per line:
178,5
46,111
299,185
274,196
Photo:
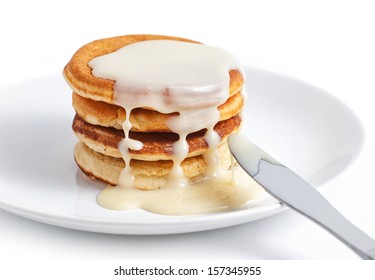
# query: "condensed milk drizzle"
168,76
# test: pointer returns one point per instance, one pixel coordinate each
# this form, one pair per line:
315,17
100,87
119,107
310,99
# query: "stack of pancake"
98,125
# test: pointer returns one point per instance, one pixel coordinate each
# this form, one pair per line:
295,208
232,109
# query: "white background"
330,44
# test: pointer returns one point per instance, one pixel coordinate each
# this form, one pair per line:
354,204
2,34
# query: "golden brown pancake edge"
156,146
78,74
148,174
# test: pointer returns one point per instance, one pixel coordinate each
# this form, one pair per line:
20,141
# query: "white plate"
301,125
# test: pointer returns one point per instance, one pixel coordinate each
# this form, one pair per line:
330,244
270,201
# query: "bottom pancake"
148,175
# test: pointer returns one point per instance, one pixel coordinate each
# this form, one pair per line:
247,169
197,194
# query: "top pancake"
79,76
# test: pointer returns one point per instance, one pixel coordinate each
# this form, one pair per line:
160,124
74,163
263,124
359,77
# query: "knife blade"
291,189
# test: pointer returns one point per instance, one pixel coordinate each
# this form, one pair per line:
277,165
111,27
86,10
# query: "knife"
286,186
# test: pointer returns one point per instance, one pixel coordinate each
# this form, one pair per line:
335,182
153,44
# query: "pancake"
156,146
143,120
143,136
79,76
148,175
